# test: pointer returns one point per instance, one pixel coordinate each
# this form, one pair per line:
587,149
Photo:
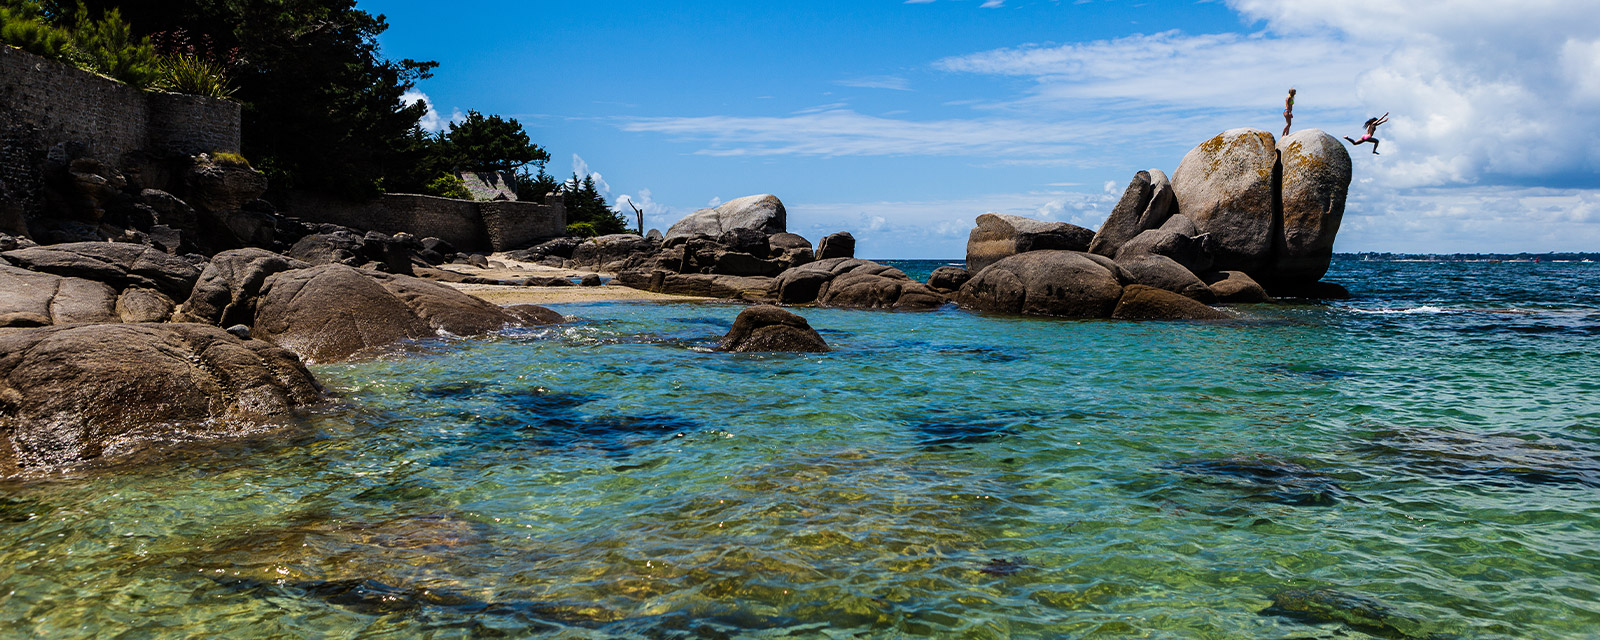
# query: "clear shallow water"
1427,455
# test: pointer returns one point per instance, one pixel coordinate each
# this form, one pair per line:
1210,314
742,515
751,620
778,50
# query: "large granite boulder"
1235,286
1146,204
331,312
1192,252
854,283
1139,302
33,299
708,285
226,292
117,264
615,252
998,236
769,328
215,186
348,247
1048,283
1226,185
1316,180
78,393
1162,272
948,279
136,304
762,212
837,245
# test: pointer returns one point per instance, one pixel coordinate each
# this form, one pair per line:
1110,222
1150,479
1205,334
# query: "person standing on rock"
1372,127
1288,112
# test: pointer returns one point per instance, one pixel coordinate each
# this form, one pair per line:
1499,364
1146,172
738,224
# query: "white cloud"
841,132
656,215
716,201
431,121
992,4
1481,91
581,170
895,83
1471,219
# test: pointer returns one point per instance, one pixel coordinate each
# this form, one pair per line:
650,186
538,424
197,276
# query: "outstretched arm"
1384,118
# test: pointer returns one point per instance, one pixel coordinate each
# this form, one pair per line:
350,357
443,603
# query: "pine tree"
587,211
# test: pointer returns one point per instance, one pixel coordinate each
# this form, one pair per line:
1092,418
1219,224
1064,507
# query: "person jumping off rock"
1372,126
1288,112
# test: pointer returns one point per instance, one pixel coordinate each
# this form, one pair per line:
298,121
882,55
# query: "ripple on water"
1348,474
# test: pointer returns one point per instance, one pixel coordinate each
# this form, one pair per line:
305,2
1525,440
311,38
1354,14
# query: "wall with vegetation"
105,118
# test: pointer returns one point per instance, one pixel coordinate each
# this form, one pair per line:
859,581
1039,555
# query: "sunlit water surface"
1420,462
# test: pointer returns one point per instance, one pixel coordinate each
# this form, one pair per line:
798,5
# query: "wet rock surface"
77,393
1139,302
769,328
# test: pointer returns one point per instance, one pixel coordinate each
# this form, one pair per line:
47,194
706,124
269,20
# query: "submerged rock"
1359,612
76,393
1275,480
769,328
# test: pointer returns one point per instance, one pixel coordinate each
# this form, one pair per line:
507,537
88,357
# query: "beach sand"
504,268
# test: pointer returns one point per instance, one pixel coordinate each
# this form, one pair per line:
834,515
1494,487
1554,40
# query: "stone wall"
104,118
51,113
470,226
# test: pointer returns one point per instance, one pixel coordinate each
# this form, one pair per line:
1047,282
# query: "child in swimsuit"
1288,112
1372,127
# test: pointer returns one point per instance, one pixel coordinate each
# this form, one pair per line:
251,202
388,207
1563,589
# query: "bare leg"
1285,130
1351,141
1374,146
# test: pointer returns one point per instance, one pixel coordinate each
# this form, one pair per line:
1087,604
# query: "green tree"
492,143
586,206
322,106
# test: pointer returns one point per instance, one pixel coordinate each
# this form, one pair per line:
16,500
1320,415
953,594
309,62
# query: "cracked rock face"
79,393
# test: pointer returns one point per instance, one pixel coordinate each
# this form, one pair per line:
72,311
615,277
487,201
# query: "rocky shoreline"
106,344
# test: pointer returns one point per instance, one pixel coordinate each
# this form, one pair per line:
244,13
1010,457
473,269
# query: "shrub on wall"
194,75
448,186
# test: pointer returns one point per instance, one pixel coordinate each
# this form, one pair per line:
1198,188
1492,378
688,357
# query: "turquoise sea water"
1420,462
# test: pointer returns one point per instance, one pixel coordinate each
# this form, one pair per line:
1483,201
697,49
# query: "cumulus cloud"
656,215
581,170
842,132
1481,91
431,121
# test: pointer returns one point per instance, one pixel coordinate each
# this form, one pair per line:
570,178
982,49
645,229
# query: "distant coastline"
1554,256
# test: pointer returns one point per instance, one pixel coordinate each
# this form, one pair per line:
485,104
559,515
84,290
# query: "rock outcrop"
113,263
763,213
331,312
948,279
854,283
769,328
837,245
78,393
1146,204
1235,286
226,292
1162,272
1070,284
999,236
33,299
1316,179
1139,302
1227,186
709,285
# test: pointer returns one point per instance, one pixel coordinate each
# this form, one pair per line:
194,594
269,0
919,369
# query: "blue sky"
902,121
